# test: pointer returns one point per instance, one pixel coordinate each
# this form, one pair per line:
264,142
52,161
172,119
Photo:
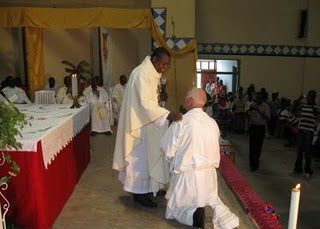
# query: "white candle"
74,85
294,207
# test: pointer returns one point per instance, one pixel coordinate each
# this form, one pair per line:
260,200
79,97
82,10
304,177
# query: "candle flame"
297,186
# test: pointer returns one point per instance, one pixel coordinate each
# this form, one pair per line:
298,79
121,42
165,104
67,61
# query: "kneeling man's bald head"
195,98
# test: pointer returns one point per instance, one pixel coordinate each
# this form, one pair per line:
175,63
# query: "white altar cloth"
54,125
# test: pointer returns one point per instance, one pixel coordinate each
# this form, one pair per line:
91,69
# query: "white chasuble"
117,96
16,95
98,106
141,124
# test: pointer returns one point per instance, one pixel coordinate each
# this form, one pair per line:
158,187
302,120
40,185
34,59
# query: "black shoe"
144,200
253,169
297,172
202,218
108,133
93,133
161,193
198,218
308,175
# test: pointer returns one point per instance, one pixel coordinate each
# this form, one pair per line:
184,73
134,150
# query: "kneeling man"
192,148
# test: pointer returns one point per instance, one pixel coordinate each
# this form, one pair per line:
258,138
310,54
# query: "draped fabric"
74,17
35,19
35,61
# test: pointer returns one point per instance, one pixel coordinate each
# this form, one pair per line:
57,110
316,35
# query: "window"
226,70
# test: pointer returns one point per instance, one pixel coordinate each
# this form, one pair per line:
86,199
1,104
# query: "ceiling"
77,3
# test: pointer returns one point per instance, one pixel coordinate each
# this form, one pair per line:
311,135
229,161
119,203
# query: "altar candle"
74,85
294,207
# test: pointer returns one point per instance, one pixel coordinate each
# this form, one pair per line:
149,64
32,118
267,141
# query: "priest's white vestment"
66,98
117,96
192,147
62,92
98,107
16,95
142,122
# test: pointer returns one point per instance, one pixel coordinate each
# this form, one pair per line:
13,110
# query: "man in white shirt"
192,148
2,98
117,95
15,94
97,97
65,91
64,95
138,158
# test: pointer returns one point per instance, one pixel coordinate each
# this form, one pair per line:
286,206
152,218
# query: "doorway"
225,70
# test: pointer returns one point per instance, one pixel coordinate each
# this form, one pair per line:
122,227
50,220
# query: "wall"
10,54
183,14
181,75
129,47
65,44
270,22
7,54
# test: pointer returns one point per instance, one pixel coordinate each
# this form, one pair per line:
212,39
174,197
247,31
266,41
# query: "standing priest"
142,168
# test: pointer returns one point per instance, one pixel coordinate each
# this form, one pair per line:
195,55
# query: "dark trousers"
272,124
256,136
304,140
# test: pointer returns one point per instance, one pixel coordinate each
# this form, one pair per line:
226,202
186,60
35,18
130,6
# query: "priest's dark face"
11,82
123,79
52,82
162,63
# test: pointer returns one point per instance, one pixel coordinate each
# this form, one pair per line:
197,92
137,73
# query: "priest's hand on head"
174,117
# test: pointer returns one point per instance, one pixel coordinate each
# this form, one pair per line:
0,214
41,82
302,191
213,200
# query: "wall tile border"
258,50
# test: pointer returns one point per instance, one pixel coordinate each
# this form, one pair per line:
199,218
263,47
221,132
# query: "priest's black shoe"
93,133
161,193
144,200
202,218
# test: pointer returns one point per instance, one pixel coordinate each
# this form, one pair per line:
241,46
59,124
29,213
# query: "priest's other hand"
174,117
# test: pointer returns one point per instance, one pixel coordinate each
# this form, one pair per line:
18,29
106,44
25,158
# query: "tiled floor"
273,181
98,201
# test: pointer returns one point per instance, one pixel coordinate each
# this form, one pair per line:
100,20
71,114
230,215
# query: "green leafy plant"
11,122
81,69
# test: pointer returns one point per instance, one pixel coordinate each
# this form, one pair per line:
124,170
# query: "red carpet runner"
258,210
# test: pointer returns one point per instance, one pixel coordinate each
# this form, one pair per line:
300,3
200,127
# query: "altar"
55,152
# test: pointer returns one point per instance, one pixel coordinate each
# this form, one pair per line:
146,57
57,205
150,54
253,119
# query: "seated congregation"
104,108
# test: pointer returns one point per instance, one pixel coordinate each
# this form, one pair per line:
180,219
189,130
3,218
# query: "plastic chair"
45,97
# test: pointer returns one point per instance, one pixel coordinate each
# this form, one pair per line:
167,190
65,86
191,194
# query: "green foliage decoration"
81,69
11,122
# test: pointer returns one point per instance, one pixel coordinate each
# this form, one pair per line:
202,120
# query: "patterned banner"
160,17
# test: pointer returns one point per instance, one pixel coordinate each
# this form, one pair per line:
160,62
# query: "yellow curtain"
38,18
86,18
35,61
73,17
